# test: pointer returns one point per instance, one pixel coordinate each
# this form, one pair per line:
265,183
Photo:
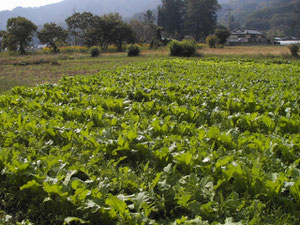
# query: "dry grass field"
233,51
248,50
40,68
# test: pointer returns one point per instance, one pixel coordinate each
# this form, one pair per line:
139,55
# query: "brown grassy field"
233,51
247,50
36,69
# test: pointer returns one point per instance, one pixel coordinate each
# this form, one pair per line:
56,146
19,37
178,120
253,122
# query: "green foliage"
185,48
9,41
167,142
95,30
149,17
119,31
94,51
188,17
20,32
85,28
200,17
2,33
51,34
294,49
222,35
211,40
133,50
170,16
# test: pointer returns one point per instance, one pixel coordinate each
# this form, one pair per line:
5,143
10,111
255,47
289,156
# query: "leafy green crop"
168,142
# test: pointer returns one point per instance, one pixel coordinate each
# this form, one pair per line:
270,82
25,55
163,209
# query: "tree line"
83,28
197,18
176,18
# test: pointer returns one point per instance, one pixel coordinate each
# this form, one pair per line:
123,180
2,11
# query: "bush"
133,50
294,48
94,51
211,40
182,48
222,35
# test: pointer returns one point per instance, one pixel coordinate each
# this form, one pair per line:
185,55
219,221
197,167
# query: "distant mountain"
274,17
58,12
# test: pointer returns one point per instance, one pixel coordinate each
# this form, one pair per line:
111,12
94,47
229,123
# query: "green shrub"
94,51
182,48
211,40
294,48
222,35
133,50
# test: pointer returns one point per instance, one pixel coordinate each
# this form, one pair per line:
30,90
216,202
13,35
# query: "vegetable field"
167,142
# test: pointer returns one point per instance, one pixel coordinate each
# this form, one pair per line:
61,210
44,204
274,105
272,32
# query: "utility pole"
75,34
229,16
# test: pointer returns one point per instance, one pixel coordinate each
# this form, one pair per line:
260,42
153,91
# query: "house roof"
245,31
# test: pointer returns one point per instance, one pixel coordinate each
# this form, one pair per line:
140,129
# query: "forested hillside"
283,17
276,17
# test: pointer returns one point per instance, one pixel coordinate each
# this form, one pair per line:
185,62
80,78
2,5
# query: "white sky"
11,4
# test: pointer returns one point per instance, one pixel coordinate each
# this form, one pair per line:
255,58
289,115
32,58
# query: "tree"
171,16
9,42
96,30
143,31
200,17
149,17
19,34
110,22
121,33
50,34
222,35
188,17
83,26
211,40
157,40
294,49
115,31
2,33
